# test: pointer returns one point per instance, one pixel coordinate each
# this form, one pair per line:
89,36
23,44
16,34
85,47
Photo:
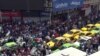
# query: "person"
4,54
43,31
95,43
89,47
14,54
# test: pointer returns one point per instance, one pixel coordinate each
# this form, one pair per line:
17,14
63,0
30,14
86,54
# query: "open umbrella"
76,37
60,38
85,38
97,25
75,30
84,29
67,45
51,44
85,33
76,44
95,31
90,25
10,44
66,35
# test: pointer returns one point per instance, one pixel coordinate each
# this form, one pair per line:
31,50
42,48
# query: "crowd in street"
32,37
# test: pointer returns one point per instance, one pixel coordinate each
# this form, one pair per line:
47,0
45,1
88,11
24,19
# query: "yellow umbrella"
75,30
90,25
85,32
67,35
51,44
84,29
88,33
76,37
97,25
68,39
60,38
92,33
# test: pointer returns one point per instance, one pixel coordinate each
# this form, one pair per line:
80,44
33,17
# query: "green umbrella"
67,45
76,44
95,31
10,44
98,27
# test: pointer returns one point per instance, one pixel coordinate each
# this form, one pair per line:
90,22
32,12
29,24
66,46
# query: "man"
95,43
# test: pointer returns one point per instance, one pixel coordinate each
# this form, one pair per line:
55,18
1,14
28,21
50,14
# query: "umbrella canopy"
85,37
76,37
76,44
67,39
51,44
97,25
95,31
74,30
90,25
66,35
85,32
67,45
60,38
84,29
10,44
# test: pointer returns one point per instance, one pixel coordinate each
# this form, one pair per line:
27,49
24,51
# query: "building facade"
90,4
36,11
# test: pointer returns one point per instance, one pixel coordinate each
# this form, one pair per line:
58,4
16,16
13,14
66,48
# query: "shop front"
10,16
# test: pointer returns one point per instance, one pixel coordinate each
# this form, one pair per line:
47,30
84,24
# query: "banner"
12,14
59,5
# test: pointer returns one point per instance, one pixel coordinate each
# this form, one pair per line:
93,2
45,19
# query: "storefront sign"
59,5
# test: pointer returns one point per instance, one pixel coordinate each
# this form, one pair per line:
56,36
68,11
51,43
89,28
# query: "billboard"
59,5
21,4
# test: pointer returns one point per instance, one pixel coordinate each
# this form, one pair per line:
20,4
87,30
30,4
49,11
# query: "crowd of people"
32,37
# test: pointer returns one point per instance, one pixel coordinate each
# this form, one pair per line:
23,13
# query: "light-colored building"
89,3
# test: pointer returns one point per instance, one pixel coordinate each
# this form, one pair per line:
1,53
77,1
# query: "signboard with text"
59,5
